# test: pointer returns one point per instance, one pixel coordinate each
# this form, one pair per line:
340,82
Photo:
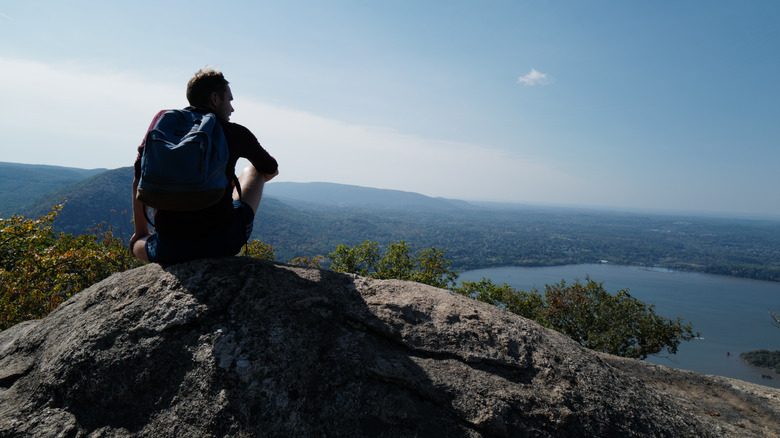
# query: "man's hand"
141,254
136,237
270,176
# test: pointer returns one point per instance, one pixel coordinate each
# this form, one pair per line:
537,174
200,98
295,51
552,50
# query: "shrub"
617,324
39,269
259,250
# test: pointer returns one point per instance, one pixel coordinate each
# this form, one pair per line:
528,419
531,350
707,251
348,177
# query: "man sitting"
219,230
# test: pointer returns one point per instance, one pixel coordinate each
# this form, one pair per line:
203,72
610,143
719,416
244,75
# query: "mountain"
243,347
101,198
341,195
22,184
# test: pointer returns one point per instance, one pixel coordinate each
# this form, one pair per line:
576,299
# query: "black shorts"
223,242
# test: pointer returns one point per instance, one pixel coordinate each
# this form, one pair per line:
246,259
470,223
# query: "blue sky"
630,104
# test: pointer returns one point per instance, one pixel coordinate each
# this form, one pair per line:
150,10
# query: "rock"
240,347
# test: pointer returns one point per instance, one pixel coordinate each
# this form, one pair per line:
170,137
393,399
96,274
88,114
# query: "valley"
310,219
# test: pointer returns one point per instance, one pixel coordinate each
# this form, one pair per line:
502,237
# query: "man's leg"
138,248
252,183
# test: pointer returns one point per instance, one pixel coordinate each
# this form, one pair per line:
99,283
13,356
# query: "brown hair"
205,82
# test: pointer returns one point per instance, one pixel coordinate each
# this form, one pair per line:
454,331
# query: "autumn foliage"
40,268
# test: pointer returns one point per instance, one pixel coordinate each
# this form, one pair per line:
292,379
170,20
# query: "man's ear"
213,99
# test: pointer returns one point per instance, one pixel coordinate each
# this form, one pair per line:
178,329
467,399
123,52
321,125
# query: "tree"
361,260
426,266
39,269
259,250
526,304
433,268
617,324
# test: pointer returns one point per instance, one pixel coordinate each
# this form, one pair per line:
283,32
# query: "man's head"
209,89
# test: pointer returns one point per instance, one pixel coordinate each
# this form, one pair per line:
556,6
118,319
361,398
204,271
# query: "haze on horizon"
665,105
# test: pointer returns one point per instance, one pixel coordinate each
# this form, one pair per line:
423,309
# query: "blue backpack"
183,163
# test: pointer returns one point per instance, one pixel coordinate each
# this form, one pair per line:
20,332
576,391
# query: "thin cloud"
371,156
534,78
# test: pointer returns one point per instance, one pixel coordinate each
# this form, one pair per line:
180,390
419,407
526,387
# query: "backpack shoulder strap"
238,187
146,215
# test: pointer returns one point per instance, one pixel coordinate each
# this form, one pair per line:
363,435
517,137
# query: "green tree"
426,266
396,263
433,268
526,304
361,259
617,324
40,268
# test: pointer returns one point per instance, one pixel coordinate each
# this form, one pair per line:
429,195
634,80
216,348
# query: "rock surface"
241,347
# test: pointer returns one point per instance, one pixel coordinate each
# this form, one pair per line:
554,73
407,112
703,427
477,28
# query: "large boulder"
241,347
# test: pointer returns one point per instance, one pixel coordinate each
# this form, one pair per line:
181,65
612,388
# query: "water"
731,314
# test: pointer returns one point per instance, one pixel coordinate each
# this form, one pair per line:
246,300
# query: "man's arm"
140,226
244,144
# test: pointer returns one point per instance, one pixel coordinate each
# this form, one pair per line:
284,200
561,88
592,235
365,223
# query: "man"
219,230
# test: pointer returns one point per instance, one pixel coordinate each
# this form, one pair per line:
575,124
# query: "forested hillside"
312,219
102,198
23,184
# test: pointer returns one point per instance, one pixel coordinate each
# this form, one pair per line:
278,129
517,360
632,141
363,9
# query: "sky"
664,105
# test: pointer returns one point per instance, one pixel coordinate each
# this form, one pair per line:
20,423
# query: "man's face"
222,106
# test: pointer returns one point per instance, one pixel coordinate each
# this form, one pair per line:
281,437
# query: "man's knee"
139,249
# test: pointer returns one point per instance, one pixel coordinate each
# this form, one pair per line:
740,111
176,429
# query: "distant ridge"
54,169
343,195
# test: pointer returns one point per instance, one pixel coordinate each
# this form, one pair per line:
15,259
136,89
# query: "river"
731,314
